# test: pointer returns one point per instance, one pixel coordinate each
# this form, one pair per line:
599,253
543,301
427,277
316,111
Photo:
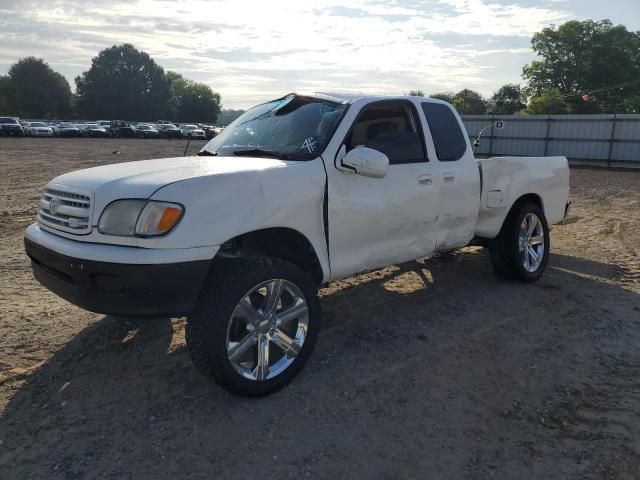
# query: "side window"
445,130
392,128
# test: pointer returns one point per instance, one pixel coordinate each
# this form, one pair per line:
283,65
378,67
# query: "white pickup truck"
295,193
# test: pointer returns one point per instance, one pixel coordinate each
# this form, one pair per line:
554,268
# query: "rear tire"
521,249
234,326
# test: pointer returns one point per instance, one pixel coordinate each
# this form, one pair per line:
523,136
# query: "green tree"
228,115
445,96
192,101
123,83
469,102
416,93
4,95
33,90
508,100
549,102
177,87
584,57
631,104
199,104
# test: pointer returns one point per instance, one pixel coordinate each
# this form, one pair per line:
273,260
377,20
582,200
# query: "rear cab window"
447,135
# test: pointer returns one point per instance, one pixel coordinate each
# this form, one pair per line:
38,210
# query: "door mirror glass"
366,161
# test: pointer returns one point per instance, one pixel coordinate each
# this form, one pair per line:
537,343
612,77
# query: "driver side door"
373,222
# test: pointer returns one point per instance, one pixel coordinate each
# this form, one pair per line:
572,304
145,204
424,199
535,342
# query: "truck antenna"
187,147
476,143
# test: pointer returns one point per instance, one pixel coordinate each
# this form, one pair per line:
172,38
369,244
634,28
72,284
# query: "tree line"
122,83
583,67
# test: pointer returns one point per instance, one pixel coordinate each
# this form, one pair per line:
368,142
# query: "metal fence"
614,139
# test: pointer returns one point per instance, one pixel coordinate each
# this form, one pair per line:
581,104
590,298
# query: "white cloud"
253,50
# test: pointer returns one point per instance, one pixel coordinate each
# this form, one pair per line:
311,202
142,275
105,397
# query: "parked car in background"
186,128
25,127
198,133
122,129
11,127
147,131
209,131
68,130
40,129
93,130
106,124
169,130
193,131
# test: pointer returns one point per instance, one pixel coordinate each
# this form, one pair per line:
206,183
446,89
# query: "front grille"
67,209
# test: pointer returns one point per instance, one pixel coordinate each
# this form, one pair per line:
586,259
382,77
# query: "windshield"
8,120
37,124
293,127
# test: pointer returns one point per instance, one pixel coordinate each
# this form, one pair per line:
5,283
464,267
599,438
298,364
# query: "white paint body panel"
222,206
372,222
115,253
459,190
223,197
505,179
375,222
141,179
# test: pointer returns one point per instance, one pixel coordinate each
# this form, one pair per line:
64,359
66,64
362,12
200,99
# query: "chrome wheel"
267,329
531,242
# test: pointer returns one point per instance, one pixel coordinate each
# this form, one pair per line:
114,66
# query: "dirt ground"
432,369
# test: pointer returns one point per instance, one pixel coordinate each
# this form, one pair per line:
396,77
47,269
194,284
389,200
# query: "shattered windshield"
293,128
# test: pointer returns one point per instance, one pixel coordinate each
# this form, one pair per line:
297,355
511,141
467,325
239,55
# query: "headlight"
144,218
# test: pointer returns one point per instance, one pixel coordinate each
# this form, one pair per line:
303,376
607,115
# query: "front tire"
521,249
254,325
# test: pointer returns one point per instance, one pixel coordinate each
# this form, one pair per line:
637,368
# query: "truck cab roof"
350,97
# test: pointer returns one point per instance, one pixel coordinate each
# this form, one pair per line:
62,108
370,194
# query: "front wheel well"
279,242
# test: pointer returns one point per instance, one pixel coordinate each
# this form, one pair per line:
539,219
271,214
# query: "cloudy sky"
251,51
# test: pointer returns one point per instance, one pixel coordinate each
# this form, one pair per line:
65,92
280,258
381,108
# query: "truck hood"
142,178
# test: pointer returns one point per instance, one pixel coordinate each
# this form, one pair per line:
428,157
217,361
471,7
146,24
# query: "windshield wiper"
206,153
258,152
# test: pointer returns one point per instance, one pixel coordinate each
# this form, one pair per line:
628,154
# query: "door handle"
448,177
425,180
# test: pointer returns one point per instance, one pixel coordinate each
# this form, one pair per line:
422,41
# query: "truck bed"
506,179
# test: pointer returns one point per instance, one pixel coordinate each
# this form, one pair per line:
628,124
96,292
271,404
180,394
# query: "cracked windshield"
292,128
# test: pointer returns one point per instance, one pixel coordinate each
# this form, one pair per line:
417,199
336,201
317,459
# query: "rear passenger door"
380,221
458,175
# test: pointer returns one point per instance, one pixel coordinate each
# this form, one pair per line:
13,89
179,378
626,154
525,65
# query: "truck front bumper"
107,287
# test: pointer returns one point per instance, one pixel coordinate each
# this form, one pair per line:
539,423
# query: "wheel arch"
526,198
279,242
491,221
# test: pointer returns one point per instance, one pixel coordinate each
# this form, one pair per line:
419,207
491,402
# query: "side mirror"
476,143
365,161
